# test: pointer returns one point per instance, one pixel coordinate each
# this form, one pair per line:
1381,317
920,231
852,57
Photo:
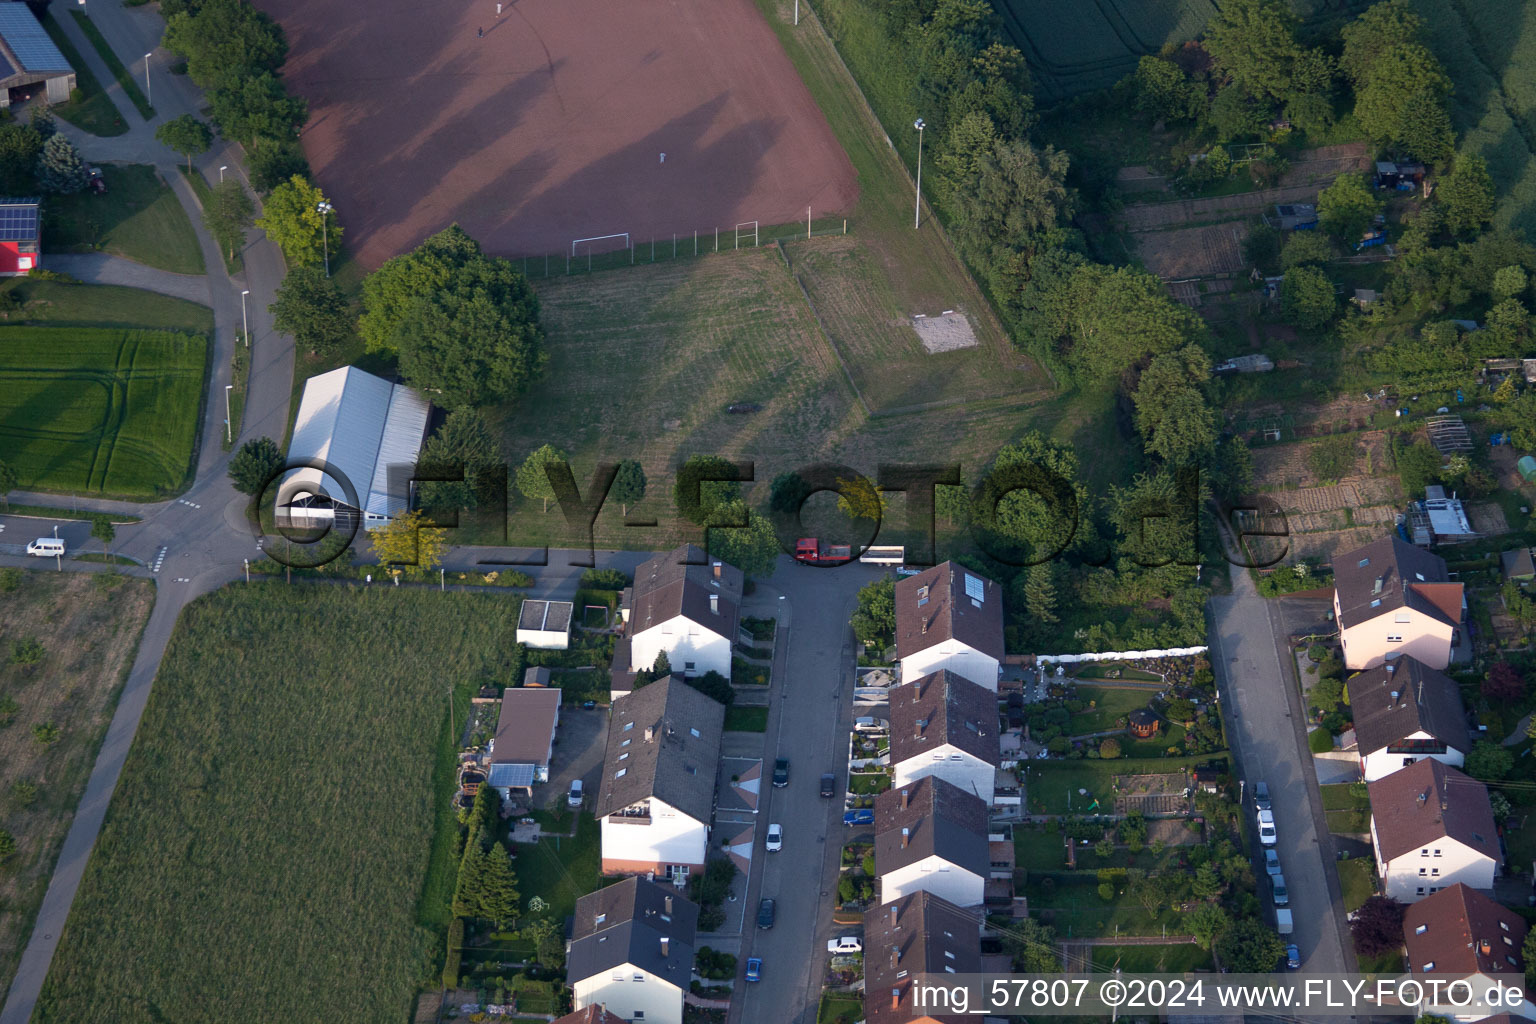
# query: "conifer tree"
59,168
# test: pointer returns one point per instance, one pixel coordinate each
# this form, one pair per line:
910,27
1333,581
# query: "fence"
625,249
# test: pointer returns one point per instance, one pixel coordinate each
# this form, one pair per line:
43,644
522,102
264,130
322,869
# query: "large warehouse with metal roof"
28,57
359,426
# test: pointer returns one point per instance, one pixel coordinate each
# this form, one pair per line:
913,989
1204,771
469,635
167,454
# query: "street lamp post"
229,425
222,169
917,203
245,325
149,94
325,209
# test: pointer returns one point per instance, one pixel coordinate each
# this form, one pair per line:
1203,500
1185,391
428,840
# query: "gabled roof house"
917,934
1390,599
632,950
1405,711
686,605
1432,827
657,791
525,738
1458,933
950,617
944,725
932,835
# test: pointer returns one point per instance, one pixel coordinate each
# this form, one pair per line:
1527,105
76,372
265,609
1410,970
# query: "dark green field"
111,412
266,856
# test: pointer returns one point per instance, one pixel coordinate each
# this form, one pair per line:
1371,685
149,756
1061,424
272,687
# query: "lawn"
57,304
93,111
124,78
1054,786
1352,822
1077,910
245,832
1173,959
839,1009
1357,881
139,218
1110,705
746,719
560,870
108,412
89,627
1338,797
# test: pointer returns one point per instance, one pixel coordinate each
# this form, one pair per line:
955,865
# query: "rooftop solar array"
18,220
27,40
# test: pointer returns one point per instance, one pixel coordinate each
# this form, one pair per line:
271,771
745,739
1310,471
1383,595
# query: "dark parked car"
781,773
828,783
1261,796
765,913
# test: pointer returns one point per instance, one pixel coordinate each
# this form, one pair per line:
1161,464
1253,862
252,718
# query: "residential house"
685,605
1391,599
596,1013
1458,933
932,835
525,739
944,725
1405,711
658,786
918,934
1432,827
631,951
950,617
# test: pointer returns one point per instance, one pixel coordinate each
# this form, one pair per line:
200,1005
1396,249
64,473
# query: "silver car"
1282,895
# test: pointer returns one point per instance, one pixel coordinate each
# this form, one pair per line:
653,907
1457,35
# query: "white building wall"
1480,983
1371,643
684,640
949,763
621,992
961,659
545,639
1379,764
935,875
1457,863
672,837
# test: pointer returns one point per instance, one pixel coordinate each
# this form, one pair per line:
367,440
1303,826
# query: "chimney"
717,570
665,942
650,734
1391,668
1421,798
895,956
1484,947
895,998
714,604
1392,699
905,798
904,834
893,915
666,905
1376,587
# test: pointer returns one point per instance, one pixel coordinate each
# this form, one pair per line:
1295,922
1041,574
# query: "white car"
846,944
1267,828
46,547
775,838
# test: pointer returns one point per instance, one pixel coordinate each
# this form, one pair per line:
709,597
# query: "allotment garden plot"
109,412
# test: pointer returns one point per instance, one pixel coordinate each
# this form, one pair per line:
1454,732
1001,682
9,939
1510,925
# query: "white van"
46,547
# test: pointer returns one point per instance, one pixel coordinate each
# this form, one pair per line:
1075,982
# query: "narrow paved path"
202,533
104,268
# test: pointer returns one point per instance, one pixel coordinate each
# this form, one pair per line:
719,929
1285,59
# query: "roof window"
621,773
1363,563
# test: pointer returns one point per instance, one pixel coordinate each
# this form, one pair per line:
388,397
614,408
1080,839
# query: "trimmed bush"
455,946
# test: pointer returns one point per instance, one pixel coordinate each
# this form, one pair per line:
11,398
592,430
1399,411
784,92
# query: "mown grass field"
109,412
266,853
89,627
1171,959
139,219
56,304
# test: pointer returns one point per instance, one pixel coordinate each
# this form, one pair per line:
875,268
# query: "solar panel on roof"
973,588
28,41
18,223
504,775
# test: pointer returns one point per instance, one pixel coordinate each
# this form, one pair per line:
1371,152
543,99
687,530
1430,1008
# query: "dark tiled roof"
1517,563
547,616
1461,931
939,819
681,582
594,1014
941,708
1427,701
525,724
621,678
920,933
1400,567
934,606
624,923
674,765
1426,801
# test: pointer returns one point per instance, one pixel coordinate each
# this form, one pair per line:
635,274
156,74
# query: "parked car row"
1264,813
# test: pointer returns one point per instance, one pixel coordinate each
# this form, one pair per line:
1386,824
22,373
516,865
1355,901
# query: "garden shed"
29,58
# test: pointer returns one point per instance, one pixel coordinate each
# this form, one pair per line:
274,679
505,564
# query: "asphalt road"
1268,734
812,714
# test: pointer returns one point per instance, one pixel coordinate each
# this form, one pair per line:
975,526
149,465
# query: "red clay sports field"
551,126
